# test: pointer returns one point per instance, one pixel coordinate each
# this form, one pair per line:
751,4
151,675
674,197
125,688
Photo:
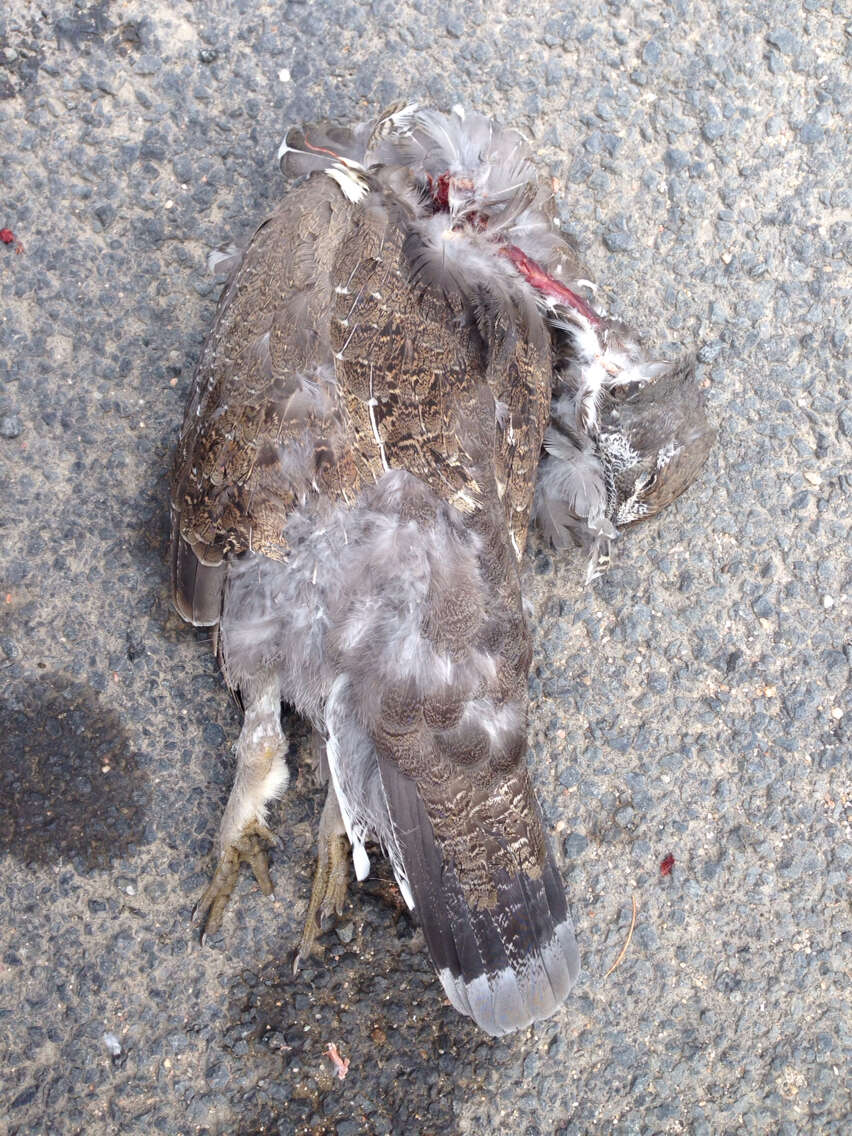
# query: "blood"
440,189
532,272
543,282
7,236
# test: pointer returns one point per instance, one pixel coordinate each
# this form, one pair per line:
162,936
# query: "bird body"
351,496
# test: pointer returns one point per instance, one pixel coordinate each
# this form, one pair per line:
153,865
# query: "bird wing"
410,374
263,425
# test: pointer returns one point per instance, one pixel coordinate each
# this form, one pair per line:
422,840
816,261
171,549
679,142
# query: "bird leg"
331,878
261,776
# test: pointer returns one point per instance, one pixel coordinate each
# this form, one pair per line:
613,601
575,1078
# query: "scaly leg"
330,879
261,776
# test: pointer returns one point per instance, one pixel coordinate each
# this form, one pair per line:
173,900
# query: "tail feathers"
519,958
196,586
506,963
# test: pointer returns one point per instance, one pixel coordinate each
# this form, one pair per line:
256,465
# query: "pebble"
619,240
652,52
345,932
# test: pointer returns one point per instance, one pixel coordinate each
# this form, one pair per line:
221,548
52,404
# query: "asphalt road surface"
693,704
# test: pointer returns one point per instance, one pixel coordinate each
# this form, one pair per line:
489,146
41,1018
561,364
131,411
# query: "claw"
251,847
328,895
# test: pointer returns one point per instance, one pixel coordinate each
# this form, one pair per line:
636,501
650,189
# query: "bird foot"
331,880
249,847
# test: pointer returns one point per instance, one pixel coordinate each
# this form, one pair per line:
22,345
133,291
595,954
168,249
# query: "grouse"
351,496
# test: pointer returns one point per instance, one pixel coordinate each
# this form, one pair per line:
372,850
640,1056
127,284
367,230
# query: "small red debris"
8,238
666,865
341,1064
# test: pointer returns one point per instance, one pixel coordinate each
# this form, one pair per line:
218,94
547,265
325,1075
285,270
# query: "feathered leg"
261,776
331,878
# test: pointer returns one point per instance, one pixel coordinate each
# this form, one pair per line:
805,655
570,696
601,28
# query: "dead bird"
629,430
351,497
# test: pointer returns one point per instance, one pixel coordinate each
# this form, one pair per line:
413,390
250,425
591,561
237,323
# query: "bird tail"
505,954
426,725
475,867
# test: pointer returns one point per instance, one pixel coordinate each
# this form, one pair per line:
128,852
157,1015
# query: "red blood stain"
6,236
666,865
545,283
532,272
440,189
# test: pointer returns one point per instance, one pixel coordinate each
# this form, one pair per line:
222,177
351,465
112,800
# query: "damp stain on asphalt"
70,785
407,1052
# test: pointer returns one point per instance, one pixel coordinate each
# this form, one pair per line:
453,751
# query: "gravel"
692,704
